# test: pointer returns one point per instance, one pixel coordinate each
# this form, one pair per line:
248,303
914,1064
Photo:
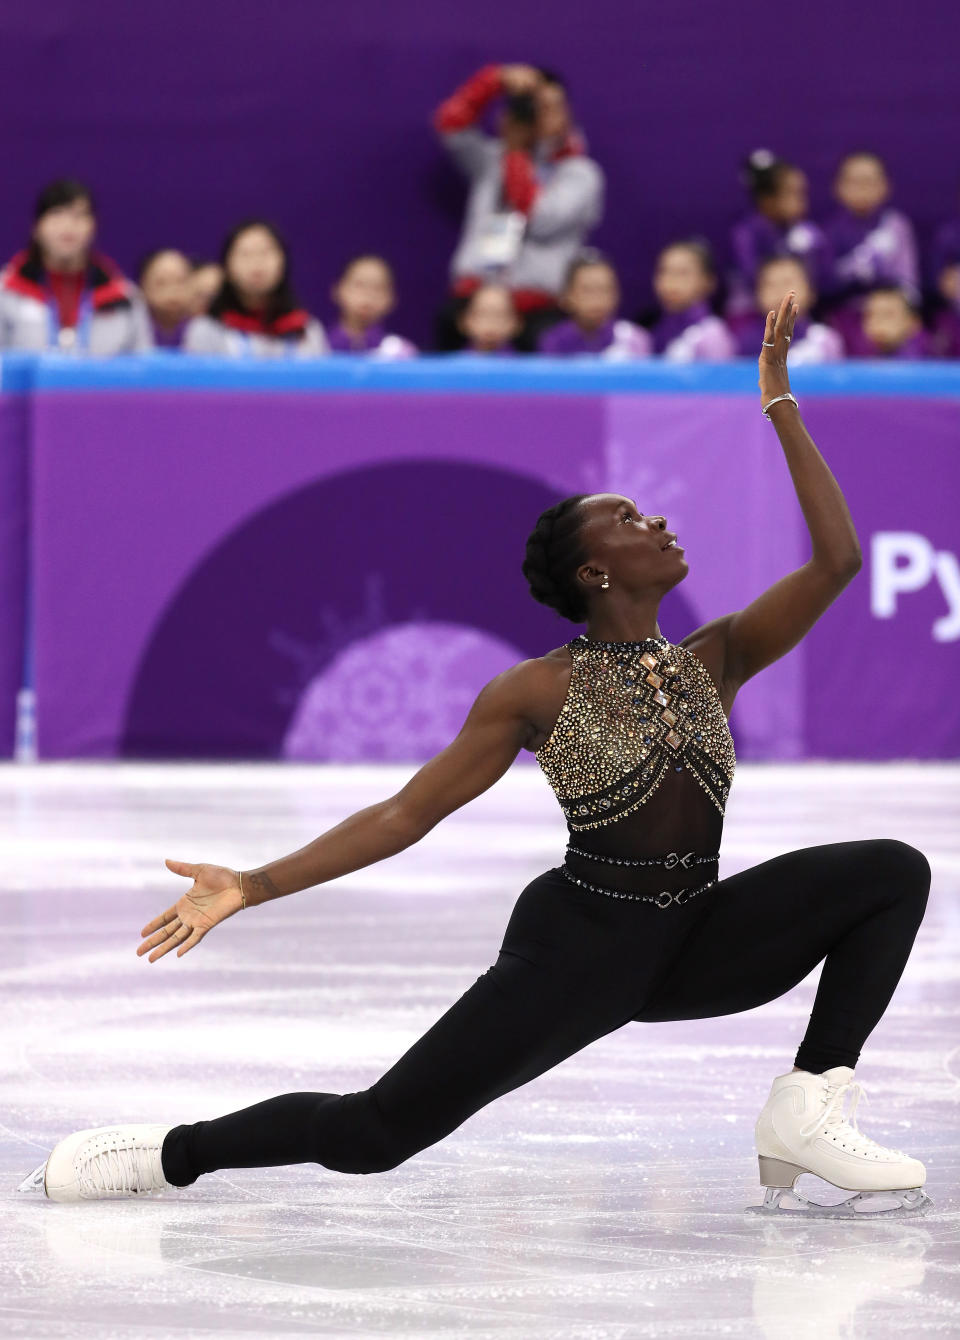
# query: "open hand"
214,897
773,360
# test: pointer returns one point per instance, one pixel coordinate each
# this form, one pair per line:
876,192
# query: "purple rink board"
332,575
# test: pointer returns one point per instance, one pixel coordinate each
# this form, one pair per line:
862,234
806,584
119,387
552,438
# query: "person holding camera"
534,194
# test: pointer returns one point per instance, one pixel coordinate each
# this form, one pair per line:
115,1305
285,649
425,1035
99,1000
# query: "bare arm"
488,742
495,730
776,621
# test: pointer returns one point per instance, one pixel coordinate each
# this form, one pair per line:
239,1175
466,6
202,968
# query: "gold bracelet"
242,896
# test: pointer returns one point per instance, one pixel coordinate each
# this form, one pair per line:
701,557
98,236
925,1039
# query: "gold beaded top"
634,712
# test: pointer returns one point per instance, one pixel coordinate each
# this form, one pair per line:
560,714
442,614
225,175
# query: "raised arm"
776,621
496,728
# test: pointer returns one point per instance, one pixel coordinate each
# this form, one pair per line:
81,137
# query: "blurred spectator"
684,280
592,295
205,284
813,342
534,193
489,321
255,311
778,226
945,340
892,327
165,277
61,294
365,295
945,277
873,245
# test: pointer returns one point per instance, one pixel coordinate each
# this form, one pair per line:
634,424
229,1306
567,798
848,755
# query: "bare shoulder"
709,644
534,690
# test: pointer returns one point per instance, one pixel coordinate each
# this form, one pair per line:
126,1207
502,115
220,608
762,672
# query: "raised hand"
215,895
773,355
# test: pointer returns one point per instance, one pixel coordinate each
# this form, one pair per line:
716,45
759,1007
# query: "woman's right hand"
215,895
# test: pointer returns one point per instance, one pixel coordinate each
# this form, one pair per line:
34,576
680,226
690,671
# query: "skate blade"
784,1201
35,1181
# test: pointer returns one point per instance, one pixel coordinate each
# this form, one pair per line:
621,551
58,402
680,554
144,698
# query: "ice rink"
603,1199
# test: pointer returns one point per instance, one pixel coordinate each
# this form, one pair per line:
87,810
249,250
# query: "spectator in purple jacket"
591,295
892,327
490,321
684,281
873,244
945,339
165,277
813,342
365,294
778,226
945,277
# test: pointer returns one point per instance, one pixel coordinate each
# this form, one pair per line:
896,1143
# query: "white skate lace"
112,1168
834,1121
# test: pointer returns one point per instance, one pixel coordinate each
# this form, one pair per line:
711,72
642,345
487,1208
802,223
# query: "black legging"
575,965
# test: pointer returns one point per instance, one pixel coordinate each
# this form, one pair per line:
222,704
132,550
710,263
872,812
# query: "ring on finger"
769,343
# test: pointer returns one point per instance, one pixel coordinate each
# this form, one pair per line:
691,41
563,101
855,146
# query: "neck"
632,623
592,325
254,302
73,265
353,325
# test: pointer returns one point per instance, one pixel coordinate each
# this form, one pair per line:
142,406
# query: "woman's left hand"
773,361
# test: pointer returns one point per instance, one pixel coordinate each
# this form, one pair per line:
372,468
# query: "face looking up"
64,235
680,279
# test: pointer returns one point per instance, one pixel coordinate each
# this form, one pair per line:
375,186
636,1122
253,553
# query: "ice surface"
604,1199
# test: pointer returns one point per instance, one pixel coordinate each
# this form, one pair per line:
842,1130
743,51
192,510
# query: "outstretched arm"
495,730
776,621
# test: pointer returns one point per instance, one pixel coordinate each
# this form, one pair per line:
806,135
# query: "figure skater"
631,731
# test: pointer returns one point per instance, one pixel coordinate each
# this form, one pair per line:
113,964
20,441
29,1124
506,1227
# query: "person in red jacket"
534,194
59,293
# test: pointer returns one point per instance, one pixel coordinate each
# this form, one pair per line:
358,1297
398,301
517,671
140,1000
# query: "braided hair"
553,555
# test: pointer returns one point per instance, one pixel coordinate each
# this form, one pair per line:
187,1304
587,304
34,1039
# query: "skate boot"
802,1129
106,1163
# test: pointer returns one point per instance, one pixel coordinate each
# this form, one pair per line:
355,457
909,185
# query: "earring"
605,584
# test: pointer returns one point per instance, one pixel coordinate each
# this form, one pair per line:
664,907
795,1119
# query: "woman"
256,311
591,297
62,294
365,294
688,330
632,734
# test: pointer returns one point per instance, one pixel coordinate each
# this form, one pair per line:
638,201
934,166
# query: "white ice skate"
802,1129
106,1163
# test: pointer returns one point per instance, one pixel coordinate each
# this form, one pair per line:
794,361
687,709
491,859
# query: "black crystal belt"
668,862
662,899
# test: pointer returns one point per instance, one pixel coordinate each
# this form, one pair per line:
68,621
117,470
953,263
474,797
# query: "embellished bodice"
635,712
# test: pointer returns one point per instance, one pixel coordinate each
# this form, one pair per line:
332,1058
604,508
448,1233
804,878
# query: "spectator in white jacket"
59,293
255,313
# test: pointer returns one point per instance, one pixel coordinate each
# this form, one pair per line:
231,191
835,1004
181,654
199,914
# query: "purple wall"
184,117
